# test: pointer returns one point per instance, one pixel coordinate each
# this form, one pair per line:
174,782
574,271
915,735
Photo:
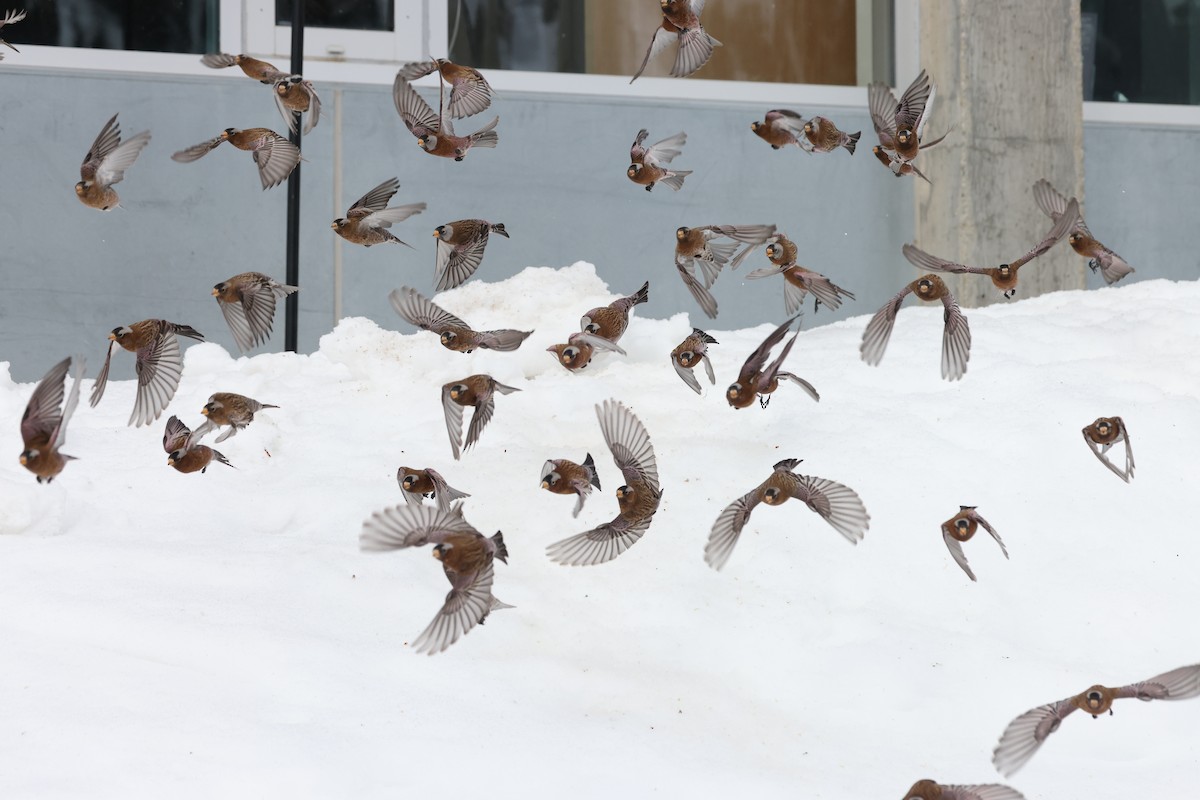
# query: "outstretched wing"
922,260
159,367
839,505
404,526
464,608
629,442
600,544
665,151
416,309
956,550
879,329
956,340
418,117
454,415
1178,684
374,200
728,528
1025,734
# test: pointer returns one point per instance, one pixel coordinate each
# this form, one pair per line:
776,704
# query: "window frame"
236,22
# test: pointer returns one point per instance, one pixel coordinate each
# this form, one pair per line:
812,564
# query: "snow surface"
222,635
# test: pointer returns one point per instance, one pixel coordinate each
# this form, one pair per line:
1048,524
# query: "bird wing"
661,40
374,200
404,526
839,505
42,413
196,151
258,302
879,329
416,309
1178,684
637,152
664,152
112,167
956,550
922,260
463,609
444,493
758,359
629,443
454,415
956,340
58,436
1062,226
1099,453
159,367
708,303
749,234
470,94
1025,734
415,70
603,543
176,435
992,531
912,104
695,49
728,528
102,378
418,117
276,157
456,264
106,141
485,406
239,325
384,218
882,105
688,376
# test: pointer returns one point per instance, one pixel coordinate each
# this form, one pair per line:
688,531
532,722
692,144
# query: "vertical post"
338,208
1009,76
292,302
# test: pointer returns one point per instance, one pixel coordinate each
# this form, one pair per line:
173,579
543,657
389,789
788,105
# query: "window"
351,30
168,26
1144,52
835,42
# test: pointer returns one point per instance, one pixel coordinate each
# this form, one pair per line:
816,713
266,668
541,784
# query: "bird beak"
436,235
170,461
215,293
204,411
112,337
24,461
545,484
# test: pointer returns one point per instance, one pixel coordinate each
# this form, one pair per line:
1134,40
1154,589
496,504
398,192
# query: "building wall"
69,274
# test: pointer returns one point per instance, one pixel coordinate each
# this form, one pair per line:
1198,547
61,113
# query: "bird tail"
642,295
486,136
189,331
590,467
501,548
675,179
852,142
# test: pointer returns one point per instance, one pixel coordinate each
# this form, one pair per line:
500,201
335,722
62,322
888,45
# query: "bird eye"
686,357
962,524
771,495
926,285
569,354
449,336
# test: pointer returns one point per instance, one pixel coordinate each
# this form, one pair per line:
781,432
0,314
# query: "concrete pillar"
1008,75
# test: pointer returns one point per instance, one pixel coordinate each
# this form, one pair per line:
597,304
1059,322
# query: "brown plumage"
610,321
226,408
427,483
470,93
1100,258
898,168
637,499
477,391
647,167
105,165
680,26
247,302
960,528
956,333
184,453
274,155
368,220
44,423
759,379
460,249
579,349
1004,277
781,127
699,247
1025,734
291,92
1101,435
838,505
159,365
690,352
825,137
454,334
901,124
467,558
561,476
798,280
932,790
434,132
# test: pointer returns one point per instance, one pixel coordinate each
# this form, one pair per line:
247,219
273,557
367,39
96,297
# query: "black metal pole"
292,302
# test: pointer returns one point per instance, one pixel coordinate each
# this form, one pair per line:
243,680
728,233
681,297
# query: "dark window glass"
797,41
165,26
359,15
1141,52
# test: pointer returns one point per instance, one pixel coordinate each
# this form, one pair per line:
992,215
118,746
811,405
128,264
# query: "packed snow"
221,634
